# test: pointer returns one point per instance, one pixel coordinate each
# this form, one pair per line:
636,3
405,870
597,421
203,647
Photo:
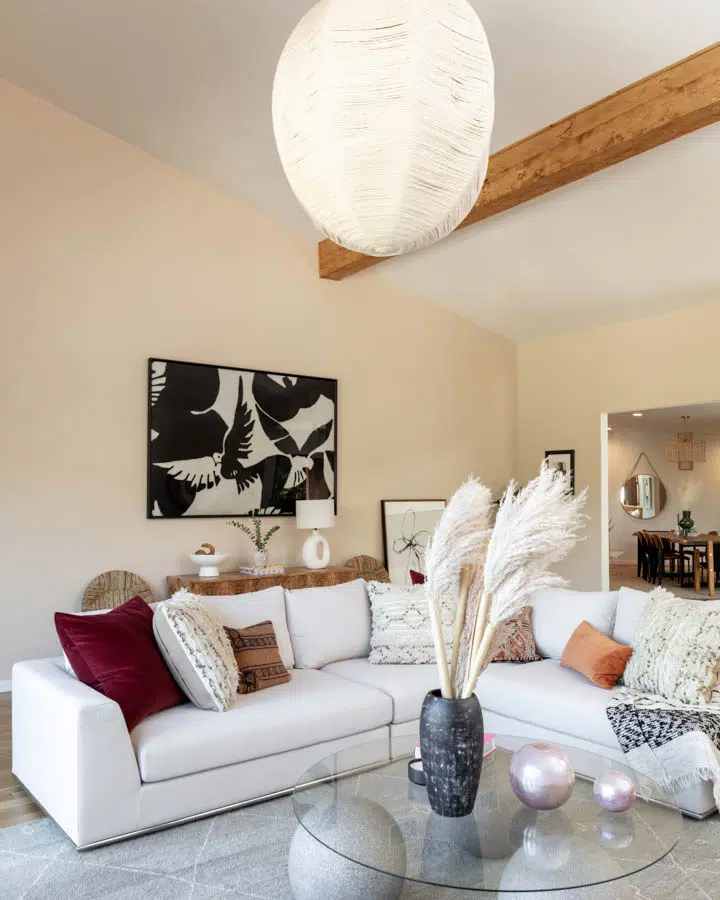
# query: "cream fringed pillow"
401,624
676,651
197,650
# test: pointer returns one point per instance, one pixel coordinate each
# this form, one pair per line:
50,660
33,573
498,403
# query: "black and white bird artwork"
227,441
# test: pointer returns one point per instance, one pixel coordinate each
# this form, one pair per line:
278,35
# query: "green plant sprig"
259,540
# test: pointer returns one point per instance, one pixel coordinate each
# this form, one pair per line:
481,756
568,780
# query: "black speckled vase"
451,745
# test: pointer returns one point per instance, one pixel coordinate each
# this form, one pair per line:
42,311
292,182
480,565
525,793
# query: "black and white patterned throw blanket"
675,744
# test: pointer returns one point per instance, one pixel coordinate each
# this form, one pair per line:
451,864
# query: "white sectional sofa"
72,750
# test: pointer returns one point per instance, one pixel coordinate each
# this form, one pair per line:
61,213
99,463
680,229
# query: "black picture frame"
564,459
214,449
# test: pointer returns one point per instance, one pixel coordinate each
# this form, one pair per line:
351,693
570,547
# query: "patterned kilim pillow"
197,651
676,650
514,639
258,658
401,624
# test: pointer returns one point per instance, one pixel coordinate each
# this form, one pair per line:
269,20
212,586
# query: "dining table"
698,542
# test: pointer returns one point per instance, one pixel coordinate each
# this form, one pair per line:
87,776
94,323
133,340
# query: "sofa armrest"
71,748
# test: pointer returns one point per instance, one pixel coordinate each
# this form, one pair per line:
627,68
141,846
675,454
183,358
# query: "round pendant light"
383,112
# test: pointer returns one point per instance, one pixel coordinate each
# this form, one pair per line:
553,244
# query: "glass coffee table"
375,824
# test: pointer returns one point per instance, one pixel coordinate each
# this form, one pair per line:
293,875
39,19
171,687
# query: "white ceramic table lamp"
315,514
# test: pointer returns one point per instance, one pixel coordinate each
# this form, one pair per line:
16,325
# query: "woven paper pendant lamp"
383,111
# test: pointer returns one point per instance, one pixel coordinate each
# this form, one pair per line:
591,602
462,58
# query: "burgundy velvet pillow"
417,577
116,654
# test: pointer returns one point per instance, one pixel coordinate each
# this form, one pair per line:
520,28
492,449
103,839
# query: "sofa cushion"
401,631
405,685
328,623
311,708
631,605
558,612
514,639
257,656
116,655
197,650
676,650
243,610
549,696
595,655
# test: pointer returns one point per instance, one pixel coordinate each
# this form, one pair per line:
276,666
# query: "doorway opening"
662,498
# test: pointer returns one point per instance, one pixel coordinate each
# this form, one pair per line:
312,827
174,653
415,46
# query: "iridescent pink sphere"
614,791
542,776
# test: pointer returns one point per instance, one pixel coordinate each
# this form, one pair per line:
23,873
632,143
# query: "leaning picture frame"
407,526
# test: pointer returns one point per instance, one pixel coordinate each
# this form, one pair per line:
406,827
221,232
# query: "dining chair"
657,559
643,561
671,556
649,557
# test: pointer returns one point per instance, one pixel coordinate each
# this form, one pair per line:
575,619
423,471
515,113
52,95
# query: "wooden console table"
236,583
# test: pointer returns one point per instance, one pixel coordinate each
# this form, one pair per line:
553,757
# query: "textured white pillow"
401,630
631,606
328,624
676,653
557,612
197,651
243,610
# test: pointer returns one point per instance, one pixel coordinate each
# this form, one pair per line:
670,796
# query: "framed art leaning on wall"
407,526
224,441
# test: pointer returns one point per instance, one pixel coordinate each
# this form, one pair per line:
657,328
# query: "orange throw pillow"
595,655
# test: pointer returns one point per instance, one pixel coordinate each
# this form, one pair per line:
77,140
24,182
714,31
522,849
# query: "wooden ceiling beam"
668,104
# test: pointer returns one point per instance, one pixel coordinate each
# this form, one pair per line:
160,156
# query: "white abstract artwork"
407,527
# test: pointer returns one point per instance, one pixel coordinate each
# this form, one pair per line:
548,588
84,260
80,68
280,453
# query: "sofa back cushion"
631,605
116,654
244,610
557,612
328,624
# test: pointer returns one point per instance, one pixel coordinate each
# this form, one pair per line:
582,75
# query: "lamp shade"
315,513
383,112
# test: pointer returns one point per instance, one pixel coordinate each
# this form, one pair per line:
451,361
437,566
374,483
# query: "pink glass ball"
614,791
542,776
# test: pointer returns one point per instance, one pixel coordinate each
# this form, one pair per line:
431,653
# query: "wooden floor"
627,576
15,805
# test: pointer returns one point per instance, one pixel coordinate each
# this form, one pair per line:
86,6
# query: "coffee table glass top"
376,817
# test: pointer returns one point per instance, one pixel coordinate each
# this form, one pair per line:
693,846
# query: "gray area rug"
243,854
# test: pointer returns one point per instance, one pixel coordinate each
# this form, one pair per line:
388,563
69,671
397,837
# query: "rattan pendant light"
382,112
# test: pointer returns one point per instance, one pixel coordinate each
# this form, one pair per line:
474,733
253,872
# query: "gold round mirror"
643,496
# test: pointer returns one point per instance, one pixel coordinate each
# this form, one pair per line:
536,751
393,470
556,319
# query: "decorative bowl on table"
208,563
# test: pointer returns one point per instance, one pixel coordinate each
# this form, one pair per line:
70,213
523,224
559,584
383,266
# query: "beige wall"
567,382
108,257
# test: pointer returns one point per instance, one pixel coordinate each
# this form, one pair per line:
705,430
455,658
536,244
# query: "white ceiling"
190,82
704,419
